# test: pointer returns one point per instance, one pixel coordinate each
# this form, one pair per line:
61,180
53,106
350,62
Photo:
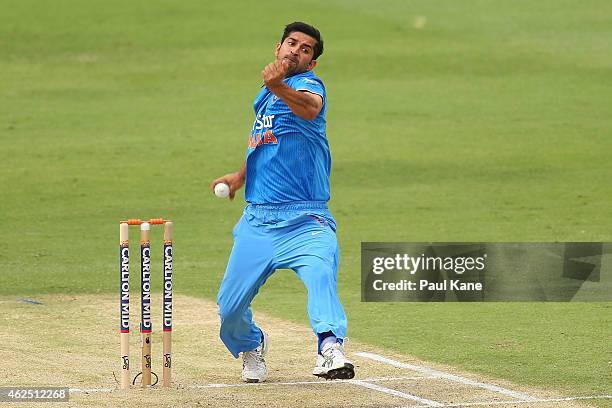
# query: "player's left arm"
303,103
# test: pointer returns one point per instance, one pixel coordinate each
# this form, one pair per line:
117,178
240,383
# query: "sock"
325,339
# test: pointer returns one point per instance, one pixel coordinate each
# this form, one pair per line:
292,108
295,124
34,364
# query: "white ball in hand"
222,190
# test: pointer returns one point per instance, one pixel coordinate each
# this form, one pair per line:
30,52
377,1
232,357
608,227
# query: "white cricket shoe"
332,363
253,363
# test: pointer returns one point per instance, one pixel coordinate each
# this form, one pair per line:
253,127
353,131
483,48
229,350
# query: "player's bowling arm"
304,104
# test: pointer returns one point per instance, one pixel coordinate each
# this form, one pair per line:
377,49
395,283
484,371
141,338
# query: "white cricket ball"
222,190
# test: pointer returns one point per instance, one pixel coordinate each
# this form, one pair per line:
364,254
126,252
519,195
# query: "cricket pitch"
73,341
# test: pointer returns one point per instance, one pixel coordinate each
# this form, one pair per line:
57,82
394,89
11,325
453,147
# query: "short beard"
293,70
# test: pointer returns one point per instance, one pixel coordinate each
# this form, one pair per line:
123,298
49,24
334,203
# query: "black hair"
308,30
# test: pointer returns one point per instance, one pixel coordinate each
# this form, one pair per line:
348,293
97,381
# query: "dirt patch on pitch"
73,341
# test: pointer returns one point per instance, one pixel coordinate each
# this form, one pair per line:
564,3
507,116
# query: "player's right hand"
233,180
274,74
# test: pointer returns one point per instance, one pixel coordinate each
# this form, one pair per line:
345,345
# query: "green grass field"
448,121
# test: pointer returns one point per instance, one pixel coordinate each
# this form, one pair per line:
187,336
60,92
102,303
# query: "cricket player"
286,223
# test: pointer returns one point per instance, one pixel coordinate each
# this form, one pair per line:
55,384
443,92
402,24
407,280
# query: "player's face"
297,50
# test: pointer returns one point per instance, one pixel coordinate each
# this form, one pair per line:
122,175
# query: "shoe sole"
343,373
252,380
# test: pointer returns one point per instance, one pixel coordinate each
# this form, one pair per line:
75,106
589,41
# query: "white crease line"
90,390
534,401
376,379
428,403
448,376
319,382
220,385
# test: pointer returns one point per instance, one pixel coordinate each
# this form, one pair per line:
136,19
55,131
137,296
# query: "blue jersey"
288,158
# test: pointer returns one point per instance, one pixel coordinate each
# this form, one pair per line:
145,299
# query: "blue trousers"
299,236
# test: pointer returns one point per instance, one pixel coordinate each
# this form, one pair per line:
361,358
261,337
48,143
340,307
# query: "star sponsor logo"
263,122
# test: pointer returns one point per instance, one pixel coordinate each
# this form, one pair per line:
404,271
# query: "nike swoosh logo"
315,233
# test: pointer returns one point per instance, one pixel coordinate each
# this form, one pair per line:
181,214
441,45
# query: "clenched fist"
274,73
